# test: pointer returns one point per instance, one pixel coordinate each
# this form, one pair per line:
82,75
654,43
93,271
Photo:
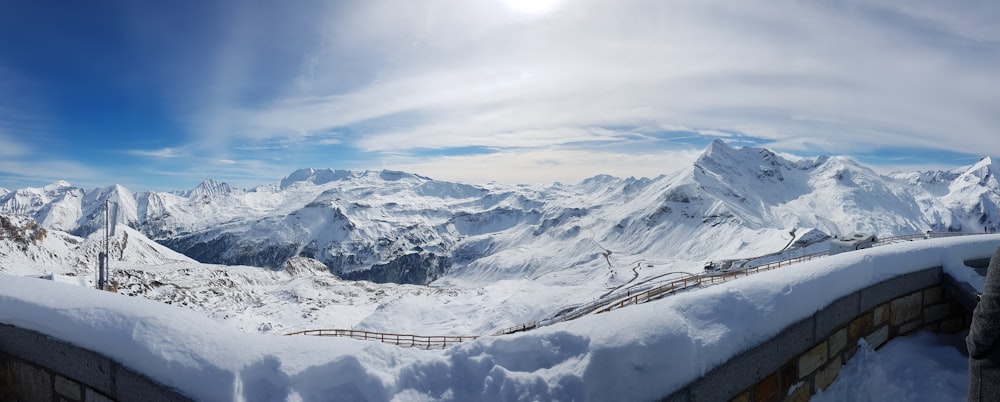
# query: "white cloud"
40,171
544,166
807,76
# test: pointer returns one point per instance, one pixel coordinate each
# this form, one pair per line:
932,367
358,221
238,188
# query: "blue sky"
162,95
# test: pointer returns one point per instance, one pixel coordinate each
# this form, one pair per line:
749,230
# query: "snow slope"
627,354
29,249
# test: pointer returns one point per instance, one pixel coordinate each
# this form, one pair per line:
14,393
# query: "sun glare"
531,6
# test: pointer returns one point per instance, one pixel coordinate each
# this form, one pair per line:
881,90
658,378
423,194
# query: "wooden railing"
710,279
404,340
517,328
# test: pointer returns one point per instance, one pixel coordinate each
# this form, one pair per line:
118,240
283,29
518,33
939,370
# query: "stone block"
905,308
933,295
908,328
746,369
838,341
67,387
826,375
744,397
860,327
879,337
802,393
880,315
959,292
936,312
895,287
836,314
767,389
30,383
813,359
83,365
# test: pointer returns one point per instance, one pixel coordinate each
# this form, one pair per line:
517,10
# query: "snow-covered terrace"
643,352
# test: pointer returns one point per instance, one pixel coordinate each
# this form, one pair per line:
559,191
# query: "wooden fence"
404,340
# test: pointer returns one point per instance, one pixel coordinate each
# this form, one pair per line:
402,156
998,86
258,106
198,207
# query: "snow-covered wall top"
628,354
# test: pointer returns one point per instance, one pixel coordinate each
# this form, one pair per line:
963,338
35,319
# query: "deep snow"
924,367
627,354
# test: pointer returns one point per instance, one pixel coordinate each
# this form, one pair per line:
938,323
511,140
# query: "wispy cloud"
831,77
167,153
10,147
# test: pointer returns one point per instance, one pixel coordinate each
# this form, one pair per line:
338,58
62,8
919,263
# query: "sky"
161,95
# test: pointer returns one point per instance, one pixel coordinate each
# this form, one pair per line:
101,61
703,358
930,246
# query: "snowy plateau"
397,252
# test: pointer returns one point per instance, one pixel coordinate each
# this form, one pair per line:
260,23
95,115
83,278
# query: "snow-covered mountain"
958,200
28,248
302,294
390,226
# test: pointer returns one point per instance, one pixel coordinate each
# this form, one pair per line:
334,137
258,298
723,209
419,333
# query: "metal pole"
107,238
100,271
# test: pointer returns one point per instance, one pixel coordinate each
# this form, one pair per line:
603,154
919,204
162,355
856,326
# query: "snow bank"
638,353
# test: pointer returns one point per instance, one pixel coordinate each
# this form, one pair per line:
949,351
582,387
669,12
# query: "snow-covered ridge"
396,226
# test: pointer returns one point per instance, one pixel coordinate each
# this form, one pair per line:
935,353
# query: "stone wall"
807,356
22,381
818,367
35,367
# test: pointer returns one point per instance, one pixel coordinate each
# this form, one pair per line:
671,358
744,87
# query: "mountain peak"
715,148
59,185
982,171
989,163
719,155
210,187
314,176
396,175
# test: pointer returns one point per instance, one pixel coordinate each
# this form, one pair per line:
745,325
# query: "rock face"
387,226
408,268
